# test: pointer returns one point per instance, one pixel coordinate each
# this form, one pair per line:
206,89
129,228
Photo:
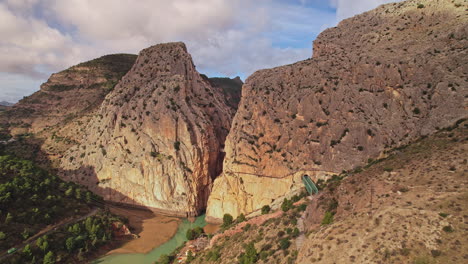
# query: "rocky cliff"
230,88
376,81
69,94
158,137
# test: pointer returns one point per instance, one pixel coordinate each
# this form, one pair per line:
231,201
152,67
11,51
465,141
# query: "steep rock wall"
157,138
377,81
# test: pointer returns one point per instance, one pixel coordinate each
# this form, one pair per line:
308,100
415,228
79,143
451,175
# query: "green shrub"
327,218
302,207
213,255
266,209
286,205
177,145
227,220
49,258
241,218
284,243
448,229
420,6
164,259
295,232
194,233
250,255
443,215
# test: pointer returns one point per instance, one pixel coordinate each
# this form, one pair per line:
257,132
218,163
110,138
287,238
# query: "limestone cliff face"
230,88
377,81
157,138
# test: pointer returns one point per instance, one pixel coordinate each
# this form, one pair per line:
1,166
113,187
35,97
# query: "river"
177,240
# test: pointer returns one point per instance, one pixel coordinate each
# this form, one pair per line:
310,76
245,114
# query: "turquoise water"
177,240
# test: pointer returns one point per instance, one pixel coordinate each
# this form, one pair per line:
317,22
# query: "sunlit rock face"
377,81
157,139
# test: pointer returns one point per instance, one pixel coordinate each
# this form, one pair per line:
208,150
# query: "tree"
78,194
70,244
284,243
194,233
266,209
295,232
69,192
241,218
89,197
286,205
250,255
27,251
8,218
2,235
39,241
189,234
164,259
49,258
75,229
227,220
25,234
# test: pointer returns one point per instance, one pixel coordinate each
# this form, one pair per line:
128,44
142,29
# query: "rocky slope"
231,89
409,208
157,139
377,81
68,94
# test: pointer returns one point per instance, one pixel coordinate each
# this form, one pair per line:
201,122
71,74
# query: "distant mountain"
5,103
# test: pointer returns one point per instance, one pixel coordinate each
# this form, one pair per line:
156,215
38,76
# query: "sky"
225,37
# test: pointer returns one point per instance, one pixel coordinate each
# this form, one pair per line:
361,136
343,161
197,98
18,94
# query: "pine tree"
8,218
49,258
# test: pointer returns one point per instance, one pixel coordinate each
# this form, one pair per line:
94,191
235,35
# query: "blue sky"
225,37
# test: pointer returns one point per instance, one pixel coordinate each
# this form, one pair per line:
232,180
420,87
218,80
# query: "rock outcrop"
230,88
68,94
377,81
157,139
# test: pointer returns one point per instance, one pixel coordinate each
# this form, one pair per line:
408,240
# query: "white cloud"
349,8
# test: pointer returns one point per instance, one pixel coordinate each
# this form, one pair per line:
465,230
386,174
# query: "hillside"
377,81
410,207
56,101
46,218
49,121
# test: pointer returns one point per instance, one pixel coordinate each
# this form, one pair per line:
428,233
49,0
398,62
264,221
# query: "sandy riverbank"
153,230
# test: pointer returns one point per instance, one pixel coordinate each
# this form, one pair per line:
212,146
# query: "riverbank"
152,230
166,248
